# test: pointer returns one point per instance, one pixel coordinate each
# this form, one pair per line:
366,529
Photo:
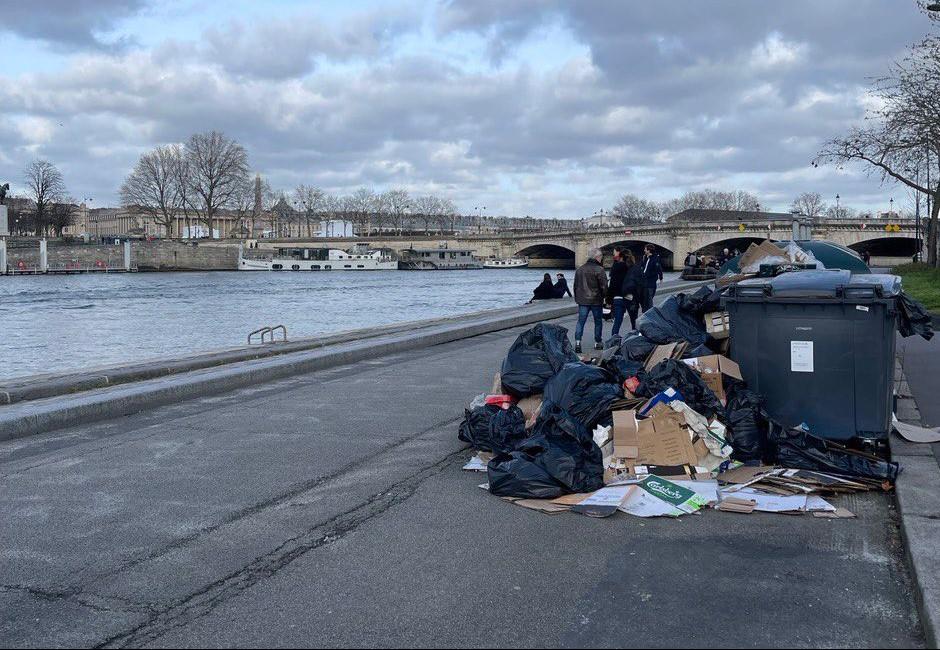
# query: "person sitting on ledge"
561,287
545,291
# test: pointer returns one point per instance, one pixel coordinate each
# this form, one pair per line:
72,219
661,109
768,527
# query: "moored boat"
505,263
359,258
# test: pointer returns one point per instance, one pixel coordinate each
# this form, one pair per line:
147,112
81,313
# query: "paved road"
330,509
921,361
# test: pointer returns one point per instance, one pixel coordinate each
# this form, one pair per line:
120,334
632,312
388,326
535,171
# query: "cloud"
69,24
655,99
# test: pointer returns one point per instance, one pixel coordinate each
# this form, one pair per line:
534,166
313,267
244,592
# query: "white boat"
505,263
442,258
360,258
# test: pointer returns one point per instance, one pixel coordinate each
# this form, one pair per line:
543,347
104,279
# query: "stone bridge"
894,241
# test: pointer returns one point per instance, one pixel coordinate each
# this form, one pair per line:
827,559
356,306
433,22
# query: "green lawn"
921,282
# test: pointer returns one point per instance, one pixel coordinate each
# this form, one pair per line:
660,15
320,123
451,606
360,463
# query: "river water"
56,323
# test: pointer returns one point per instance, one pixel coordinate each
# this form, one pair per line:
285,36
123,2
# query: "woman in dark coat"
545,290
633,282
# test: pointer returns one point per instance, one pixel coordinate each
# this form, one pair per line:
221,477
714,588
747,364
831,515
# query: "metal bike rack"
269,330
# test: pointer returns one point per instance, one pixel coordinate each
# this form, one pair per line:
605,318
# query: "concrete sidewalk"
329,509
918,487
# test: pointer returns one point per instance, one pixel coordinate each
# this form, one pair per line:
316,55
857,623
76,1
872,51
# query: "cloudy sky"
527,107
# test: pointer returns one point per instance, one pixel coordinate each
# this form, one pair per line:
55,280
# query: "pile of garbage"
660,423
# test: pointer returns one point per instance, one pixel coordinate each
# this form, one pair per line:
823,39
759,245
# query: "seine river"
54,324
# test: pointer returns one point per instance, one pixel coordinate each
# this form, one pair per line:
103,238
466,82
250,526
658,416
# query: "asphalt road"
331,510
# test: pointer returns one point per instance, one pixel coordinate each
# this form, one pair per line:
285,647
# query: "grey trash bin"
819,347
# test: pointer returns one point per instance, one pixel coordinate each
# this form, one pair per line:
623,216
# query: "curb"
40,416
918,495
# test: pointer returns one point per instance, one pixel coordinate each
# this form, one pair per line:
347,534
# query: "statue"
3,192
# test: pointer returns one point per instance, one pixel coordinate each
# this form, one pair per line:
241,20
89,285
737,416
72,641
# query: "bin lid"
821,284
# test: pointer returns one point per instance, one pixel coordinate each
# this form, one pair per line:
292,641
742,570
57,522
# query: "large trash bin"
819,347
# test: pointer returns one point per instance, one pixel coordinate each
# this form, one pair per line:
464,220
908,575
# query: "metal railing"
269,330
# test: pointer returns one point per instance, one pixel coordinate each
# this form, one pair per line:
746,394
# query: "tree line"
50,208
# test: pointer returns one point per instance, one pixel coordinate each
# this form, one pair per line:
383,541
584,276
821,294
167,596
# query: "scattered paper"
765,502
838,513
913,433
478,462
604,502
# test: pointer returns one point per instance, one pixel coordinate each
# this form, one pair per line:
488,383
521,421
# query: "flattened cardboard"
664,441
626,441
660,353
530,407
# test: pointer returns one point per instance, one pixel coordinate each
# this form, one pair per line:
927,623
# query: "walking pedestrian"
632,287
652,273
590,285
618,271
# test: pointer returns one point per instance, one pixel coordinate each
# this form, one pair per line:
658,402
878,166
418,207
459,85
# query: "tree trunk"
932,234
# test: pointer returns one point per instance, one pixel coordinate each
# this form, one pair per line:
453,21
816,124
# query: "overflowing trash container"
758,394
819,347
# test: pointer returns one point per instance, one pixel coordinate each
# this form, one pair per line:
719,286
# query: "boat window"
328,267
314,267
360,266
295,267
442,255
276,267
347,266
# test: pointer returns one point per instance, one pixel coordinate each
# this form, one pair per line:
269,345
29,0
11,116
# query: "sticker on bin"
801,356
861,307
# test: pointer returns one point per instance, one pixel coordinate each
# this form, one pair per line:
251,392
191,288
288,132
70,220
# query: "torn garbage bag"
585,392
668,324
913,318
672,373
621,367
565,449
798,449
746,424
517,475
534,358
492,428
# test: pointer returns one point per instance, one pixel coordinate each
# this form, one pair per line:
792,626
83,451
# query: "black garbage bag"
747,426
585,392
672,373
913,317
517,475
707,299
636,347
798,449
694,351
621,368
564,448
668,323
613,342
535,357
492,428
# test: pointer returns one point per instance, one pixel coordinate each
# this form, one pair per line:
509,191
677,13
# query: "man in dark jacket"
561,286
652,272
590,285
618,271
632,287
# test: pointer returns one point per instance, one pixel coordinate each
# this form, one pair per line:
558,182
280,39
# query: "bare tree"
839,212
399,205
46,187
218,170
153,186
633,209
310,201
901,141
62,215
426,209
810,204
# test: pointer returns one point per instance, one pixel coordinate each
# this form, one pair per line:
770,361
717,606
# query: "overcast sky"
526,107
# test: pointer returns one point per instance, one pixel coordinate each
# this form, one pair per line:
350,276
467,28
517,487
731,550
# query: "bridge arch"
888,251
636,246
731,243
548,256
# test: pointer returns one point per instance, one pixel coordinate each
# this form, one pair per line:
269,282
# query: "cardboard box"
660,439
712,368
718,324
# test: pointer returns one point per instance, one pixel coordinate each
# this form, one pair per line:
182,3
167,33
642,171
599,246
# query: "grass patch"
921,282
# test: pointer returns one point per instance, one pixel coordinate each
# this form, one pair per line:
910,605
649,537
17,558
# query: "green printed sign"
675,495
